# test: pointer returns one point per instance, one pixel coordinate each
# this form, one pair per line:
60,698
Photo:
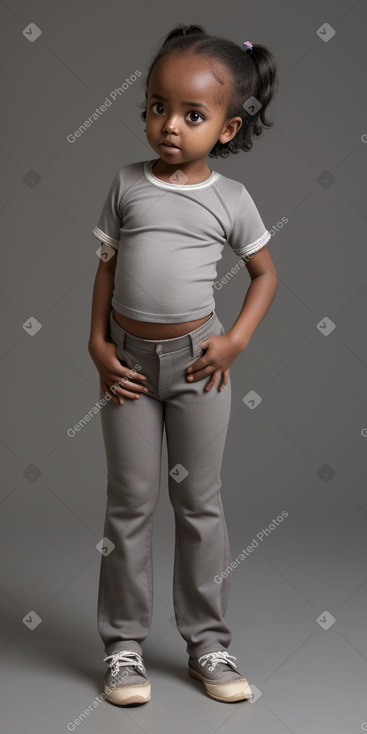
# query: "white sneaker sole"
231,691
128,694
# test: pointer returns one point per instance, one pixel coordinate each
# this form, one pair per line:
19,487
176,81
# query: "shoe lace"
221,656
124,657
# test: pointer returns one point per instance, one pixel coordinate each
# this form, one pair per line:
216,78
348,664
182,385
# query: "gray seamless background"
298,601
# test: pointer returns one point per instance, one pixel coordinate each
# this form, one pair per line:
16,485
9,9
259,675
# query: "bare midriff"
153,330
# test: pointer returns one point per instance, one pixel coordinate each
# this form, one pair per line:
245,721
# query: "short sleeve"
109,223
248,234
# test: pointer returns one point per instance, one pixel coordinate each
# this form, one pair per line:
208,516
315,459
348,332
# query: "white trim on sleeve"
254,246
97,232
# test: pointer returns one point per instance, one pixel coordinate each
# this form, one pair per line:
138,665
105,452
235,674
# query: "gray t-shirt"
169,238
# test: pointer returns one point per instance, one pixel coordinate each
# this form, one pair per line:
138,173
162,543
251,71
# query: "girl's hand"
114,374
220,352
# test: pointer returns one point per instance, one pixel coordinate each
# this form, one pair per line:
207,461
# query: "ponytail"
265,89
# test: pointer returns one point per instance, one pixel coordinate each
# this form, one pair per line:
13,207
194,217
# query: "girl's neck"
164,171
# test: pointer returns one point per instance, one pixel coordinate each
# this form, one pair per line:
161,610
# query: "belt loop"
196,339
193,344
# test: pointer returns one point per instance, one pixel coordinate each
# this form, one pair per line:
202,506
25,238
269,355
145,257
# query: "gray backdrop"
298,599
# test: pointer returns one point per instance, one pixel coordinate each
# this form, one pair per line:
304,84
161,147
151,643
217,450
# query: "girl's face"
186,106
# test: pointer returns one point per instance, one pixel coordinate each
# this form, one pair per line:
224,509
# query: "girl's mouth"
168,146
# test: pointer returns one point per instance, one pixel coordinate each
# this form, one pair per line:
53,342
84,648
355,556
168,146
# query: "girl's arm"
259,296
223,349
115,378
101,303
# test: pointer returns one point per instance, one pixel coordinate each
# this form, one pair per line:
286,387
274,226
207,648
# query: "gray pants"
196,423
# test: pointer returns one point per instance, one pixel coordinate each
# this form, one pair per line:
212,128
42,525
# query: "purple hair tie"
247,46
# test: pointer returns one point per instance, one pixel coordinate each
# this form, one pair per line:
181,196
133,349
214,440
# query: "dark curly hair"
253,73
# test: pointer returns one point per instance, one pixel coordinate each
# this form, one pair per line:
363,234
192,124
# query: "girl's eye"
193,112
157,104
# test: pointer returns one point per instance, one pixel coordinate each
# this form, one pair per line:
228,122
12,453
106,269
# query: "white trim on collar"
166,185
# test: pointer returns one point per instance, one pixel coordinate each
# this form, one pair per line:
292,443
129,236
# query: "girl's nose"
170,126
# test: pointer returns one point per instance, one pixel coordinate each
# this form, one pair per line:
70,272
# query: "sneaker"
221,679
131,685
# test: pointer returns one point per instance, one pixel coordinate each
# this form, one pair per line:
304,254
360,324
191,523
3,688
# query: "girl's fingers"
214,380
123,386
198,374
205,371
107,391
127,382
225,380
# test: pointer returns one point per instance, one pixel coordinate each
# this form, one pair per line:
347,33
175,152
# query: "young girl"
163,355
